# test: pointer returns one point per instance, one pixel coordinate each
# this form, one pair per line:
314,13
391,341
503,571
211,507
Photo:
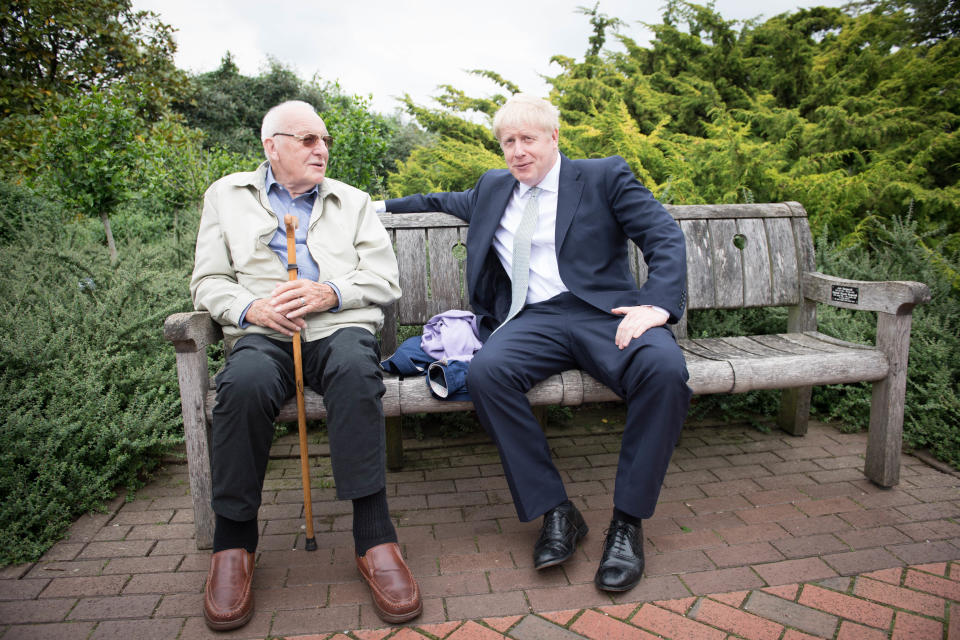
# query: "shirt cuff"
380,206
242,322
666,314
336,291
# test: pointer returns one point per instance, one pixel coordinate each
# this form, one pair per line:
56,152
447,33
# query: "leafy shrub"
87,382
21,209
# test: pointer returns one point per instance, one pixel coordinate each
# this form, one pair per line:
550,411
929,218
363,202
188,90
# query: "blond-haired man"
549,279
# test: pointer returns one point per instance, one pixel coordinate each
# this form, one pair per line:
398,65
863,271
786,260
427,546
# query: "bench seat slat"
722,350
755,347
716,365
798,344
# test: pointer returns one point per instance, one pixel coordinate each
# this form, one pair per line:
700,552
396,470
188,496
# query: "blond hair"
526,109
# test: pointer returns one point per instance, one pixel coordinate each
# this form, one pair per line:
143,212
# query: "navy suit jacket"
600,204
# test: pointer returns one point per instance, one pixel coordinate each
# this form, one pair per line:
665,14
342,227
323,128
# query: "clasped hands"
290,302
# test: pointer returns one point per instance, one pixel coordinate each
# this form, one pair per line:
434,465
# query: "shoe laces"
619,538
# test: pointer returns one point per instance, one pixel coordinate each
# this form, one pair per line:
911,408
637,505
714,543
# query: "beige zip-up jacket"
234,264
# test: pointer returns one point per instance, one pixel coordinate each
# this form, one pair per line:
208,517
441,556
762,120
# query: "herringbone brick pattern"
757,535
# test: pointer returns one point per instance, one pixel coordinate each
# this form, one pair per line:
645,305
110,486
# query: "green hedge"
87,382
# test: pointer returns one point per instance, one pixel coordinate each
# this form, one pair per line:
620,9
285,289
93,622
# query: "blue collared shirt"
284,204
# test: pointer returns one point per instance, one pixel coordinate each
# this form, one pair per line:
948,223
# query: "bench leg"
394,444
795,403
795,410
885,439
194,379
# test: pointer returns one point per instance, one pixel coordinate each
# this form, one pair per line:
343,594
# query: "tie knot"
534,191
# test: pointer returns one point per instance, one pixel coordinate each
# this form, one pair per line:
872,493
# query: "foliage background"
852,111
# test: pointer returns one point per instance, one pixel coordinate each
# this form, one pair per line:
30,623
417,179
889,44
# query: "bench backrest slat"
738,255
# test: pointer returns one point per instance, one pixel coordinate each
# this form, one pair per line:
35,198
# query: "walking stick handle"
290,222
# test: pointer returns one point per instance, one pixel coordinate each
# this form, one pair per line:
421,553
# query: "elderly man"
347,269
549,280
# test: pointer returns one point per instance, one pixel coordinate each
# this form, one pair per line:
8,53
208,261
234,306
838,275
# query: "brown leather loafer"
228,598
396,595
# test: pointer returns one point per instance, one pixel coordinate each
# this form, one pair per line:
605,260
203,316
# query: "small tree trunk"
110,244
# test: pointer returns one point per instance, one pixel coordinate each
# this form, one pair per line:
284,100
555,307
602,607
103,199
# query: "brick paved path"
742,511
914,603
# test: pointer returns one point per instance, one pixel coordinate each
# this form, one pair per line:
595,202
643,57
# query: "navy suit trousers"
566,333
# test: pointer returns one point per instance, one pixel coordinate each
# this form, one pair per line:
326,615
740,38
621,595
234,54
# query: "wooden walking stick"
311,543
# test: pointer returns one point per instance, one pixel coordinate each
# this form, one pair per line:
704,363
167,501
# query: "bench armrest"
894,296
192,331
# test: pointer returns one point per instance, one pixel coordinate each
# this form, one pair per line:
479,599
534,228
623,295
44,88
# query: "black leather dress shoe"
622,563
562,528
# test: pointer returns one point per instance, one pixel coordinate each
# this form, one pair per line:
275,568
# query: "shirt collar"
550,182
270,181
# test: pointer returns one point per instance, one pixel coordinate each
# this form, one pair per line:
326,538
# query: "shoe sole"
581,534
616,589
228,624
394,618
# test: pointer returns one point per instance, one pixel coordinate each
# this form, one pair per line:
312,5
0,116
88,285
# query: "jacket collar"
258,179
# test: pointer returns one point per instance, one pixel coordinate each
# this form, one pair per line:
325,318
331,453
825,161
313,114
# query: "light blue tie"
520,276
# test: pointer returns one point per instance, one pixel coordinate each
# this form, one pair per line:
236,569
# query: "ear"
270,148
555,136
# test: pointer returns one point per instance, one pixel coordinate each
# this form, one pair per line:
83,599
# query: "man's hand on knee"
263,313
636,321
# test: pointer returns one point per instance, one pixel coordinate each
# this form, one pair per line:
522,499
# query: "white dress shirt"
545,281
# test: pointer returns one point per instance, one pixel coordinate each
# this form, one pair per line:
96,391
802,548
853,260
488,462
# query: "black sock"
565,503
371,522
233,534
626,517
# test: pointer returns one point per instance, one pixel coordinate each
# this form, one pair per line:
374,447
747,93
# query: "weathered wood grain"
885,438
757,283
888,297
193,376
191,331
411,245
701,280
784,267
444,270
727,264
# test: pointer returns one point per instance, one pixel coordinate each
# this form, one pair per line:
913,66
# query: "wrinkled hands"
636,321
290,302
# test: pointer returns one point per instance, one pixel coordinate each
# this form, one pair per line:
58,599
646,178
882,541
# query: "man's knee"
247,378
353,359
661,365
484,373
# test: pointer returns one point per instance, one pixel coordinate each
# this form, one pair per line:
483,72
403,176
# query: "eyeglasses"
309,140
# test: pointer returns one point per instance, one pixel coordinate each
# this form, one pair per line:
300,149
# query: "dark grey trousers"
257,379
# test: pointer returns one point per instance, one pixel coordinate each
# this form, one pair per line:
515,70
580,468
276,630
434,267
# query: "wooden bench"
738,256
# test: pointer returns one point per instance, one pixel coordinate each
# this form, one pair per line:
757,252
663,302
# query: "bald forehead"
302,117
